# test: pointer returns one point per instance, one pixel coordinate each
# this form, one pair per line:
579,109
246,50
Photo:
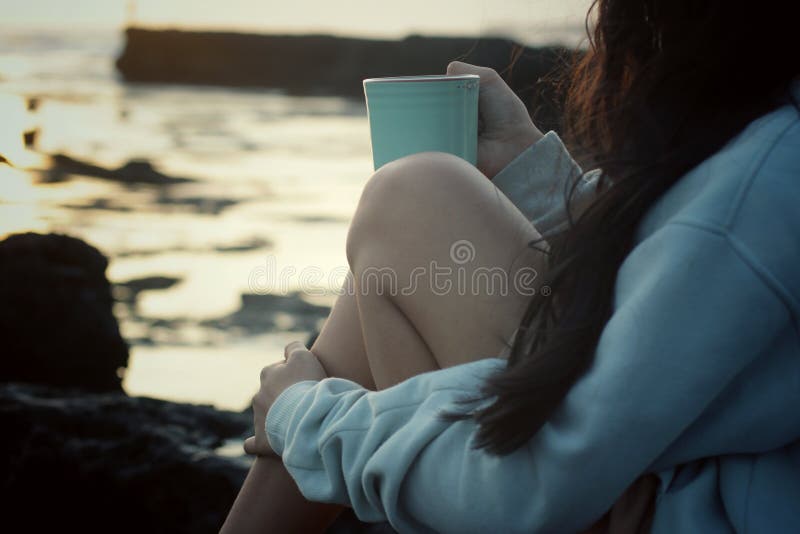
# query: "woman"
662,338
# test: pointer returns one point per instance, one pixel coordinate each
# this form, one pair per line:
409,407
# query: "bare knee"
411,214
407,194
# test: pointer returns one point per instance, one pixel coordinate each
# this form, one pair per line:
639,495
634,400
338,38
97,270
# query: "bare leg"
269,501
427,214
416,212
411,214
340,344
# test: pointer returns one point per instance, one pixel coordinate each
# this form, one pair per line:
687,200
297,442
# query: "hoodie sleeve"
682,330
537,181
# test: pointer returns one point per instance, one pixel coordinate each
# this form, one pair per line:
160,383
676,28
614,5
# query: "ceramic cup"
410,114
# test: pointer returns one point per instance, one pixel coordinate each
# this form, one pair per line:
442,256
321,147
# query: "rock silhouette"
133,172
56,320
106,462
331,65
76,451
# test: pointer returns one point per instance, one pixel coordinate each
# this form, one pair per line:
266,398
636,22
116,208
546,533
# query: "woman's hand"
300,364
505,128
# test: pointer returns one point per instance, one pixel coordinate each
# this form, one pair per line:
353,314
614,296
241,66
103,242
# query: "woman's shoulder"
749,193
763,220
751,171
755,179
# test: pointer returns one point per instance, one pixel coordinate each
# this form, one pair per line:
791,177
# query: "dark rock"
329,65
256,315
105,204
196,205
161,203
129,290
150,283
32,103
253,243
316,219
245,245
56,321
261,313
29,137
132,172
112,463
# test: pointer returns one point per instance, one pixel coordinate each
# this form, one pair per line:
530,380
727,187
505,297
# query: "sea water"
276,180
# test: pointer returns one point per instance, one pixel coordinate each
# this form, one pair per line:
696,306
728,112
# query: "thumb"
497,102
250,445
459,67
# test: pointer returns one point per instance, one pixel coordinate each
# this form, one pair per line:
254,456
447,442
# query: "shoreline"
332,65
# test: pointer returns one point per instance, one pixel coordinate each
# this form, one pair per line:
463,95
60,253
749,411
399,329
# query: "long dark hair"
664,84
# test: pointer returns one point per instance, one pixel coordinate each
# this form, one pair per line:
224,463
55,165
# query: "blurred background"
206,158
274,177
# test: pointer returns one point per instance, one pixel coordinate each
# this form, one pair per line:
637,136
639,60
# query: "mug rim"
422,78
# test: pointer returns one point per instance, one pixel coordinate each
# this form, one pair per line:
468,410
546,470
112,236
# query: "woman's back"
740,457
719,256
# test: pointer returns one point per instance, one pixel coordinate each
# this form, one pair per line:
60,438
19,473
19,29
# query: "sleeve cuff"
281,413
536,180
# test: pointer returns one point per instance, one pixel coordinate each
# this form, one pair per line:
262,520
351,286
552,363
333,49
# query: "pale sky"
367,17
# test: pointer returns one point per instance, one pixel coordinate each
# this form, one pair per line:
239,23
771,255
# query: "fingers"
252,447
301,363
495,97
459,67
265,373
293,348
299,354
296,357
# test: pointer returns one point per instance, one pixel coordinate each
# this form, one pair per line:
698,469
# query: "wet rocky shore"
107,462
77,451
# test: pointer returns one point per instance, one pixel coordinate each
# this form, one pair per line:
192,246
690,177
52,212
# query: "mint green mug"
411,114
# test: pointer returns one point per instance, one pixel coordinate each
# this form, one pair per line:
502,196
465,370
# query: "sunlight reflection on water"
276,178
226,376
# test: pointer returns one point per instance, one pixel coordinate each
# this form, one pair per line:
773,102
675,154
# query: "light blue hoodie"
696,377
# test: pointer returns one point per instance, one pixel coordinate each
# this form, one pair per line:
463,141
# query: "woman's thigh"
437,241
